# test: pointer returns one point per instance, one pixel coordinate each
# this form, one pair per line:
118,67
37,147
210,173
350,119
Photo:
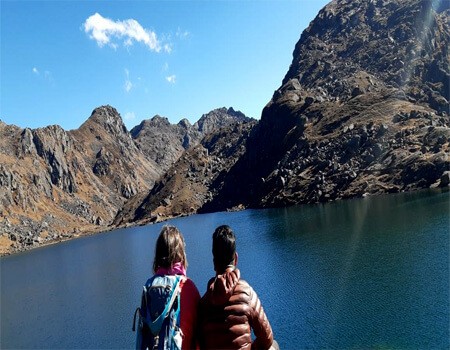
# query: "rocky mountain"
363,109
194,179
164,142
57,184
109,150
219,118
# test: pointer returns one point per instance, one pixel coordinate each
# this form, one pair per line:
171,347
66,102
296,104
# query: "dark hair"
223,248
169,248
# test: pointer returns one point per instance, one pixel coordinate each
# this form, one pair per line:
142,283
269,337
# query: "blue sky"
178,59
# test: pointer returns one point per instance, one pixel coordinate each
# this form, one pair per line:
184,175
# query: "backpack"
159,314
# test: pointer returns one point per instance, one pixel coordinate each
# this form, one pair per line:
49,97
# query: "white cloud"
128,84
46,75
165,67
104,31
182,34
171,79
168,48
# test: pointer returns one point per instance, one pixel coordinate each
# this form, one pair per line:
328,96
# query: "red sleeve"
188,314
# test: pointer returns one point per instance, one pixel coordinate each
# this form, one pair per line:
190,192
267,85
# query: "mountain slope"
56,184
165,142
194,179
113,156
363,109
162,141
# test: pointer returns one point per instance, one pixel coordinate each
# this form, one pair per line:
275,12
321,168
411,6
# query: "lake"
362,273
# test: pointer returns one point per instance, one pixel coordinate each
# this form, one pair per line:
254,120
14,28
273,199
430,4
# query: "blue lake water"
363,273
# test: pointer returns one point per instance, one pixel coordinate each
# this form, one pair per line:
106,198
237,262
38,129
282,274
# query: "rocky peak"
109,119
184,123
53,144
26,141
162,141
238,115
219,118
49,138
138,128
155,122
105,128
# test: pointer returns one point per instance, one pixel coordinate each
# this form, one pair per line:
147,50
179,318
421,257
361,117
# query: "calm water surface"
365,273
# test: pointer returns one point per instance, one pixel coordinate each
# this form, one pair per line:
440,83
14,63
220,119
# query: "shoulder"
244,286
246,293
188,283
210,282
190,289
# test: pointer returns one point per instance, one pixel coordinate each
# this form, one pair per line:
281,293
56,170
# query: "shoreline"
105,229
80,234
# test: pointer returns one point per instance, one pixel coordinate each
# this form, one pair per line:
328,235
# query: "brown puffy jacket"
229,310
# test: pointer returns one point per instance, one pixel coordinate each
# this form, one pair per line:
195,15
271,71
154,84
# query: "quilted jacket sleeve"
260,324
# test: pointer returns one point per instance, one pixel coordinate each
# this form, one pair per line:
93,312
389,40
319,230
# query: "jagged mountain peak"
54,129
218,118
108,118
164,142
147,125
157,119
185,123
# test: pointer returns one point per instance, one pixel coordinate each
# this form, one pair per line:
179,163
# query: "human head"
223,248
169,248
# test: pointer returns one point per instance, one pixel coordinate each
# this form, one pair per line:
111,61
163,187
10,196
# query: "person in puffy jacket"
230,308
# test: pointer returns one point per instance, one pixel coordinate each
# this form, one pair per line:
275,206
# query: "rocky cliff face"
109,150
363,109
219,118
56,184
165,142
194,179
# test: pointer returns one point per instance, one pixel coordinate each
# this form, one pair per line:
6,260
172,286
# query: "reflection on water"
366,273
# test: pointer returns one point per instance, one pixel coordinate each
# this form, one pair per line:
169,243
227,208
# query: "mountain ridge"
363,109
351,118
338,120
57,184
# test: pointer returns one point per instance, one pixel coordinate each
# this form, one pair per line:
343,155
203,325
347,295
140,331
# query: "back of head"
170,248
224,248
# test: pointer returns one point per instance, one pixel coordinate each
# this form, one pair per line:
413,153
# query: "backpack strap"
138,310
156,325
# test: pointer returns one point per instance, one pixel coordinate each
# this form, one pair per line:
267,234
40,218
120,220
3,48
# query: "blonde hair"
169,249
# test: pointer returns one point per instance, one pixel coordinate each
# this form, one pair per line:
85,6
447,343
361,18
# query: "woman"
170,260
